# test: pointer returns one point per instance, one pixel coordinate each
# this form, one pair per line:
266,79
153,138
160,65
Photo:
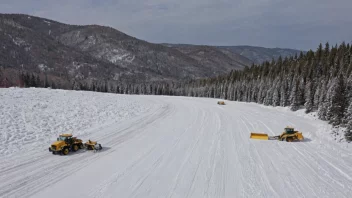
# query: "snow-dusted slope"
184,147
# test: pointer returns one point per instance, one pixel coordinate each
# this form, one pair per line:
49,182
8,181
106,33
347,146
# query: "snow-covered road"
189,147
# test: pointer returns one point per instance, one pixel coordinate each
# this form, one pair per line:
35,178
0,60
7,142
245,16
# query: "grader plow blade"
93,145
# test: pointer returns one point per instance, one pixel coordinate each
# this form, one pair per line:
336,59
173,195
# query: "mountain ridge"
256,54
102,53
95,52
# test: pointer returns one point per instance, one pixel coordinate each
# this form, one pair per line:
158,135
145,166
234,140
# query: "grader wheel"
65,151
289,139
75,148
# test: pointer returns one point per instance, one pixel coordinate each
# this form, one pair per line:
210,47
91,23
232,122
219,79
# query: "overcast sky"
299,24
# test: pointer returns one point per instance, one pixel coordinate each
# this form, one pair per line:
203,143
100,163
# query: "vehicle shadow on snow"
81,151
91,151
304,140
307,140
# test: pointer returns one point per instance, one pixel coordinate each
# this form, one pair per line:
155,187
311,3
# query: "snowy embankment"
30,118
156,146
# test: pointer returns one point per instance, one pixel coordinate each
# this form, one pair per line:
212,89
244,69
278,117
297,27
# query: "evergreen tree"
105,89
309,97
53,85
38,82
323,101
26,79
348,132
46,82
32,82
337,101
294,97
316,96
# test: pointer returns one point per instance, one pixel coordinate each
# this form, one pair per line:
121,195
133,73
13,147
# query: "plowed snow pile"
157,146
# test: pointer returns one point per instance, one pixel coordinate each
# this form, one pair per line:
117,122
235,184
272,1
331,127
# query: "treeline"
26,79
12,77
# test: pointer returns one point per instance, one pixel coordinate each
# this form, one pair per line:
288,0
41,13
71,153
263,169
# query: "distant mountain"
260,54
208,56
245,55
31,44
95,52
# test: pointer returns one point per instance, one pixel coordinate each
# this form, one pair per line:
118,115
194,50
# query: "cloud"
299,24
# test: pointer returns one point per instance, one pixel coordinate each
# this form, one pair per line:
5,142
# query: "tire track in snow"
325,170
226,149
250,168
177,141
265,180
186,159
214,146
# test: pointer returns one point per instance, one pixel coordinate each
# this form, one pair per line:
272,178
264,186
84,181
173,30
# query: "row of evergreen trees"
34,80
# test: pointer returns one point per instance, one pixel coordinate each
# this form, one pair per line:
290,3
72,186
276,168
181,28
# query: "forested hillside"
261,54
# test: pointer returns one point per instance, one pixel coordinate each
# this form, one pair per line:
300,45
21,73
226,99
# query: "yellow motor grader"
289,135
66,143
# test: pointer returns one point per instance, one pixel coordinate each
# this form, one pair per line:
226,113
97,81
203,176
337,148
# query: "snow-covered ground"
157,146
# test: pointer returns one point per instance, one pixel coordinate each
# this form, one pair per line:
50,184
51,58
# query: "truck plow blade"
259,136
